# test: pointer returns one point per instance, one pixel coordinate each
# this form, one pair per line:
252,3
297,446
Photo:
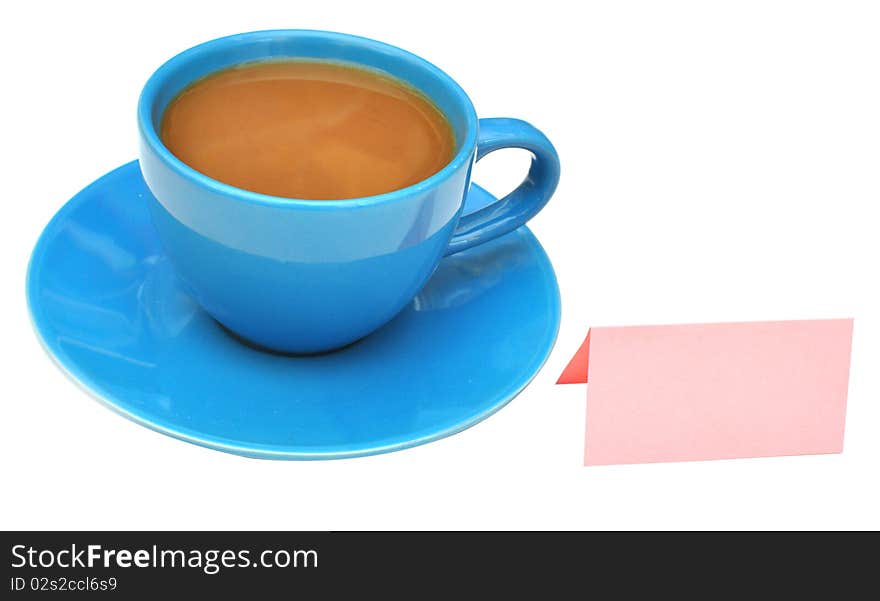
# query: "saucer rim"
87,384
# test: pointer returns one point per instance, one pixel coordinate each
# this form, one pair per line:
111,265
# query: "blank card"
713,391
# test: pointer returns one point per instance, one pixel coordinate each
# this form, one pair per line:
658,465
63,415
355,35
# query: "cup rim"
148,132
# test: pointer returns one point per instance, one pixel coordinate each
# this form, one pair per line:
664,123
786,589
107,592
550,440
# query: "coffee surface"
307,130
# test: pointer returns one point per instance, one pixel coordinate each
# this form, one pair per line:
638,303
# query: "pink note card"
713,391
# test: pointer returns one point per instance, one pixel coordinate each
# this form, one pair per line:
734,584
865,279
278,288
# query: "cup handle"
507,214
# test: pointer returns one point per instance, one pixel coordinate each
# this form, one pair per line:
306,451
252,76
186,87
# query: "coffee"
308,130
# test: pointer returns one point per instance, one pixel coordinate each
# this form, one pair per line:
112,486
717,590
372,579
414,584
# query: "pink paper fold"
713,391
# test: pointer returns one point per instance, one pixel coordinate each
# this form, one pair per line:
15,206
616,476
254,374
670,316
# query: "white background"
721,161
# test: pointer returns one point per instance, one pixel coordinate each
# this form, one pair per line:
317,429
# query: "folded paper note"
713,391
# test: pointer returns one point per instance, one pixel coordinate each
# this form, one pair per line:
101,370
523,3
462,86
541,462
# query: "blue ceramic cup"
307,276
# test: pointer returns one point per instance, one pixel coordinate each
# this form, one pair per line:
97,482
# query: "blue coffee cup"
302,276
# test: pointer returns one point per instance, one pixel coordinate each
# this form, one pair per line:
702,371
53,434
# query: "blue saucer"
109,309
